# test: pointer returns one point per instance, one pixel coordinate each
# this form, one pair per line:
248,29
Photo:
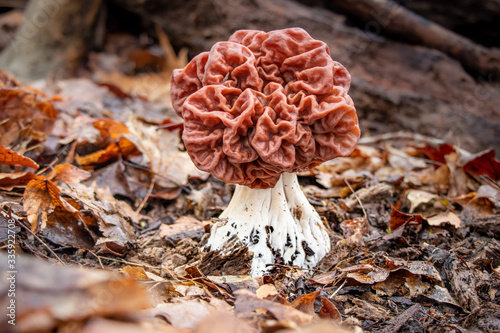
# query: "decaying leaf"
436,153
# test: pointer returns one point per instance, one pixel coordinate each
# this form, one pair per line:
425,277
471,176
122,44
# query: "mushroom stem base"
278,222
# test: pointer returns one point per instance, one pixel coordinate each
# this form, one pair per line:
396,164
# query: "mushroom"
257,109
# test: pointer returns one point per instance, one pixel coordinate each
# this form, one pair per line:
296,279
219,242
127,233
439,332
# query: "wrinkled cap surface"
264,103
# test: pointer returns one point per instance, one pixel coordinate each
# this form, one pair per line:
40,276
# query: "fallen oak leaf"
10,157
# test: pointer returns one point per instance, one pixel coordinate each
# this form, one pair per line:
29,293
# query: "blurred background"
421,66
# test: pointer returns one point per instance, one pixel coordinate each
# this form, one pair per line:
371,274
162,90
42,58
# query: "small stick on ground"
45,245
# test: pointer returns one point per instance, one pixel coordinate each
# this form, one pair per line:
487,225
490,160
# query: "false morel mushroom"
257,109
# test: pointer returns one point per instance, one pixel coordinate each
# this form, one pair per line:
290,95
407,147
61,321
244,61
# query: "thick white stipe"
272,222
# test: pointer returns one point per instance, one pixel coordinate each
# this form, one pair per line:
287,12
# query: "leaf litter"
111,219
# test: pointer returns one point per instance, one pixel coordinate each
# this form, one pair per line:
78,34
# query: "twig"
41,241
357,198
146,198
98,258
297,267
129,263
150,239
339,288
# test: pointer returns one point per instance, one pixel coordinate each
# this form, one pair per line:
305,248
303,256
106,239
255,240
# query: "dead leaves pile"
53,158
91,179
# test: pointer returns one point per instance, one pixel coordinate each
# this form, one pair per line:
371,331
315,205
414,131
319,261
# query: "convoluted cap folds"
262,104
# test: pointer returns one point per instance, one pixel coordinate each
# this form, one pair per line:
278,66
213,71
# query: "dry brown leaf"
418,197
68,173
21,109
110,128
135,272
305,303
17,179
11,157
447,217
436,153
123,147
160,153
399,219
185,313
247,303
329,311
41,198
224,322
266,290
365,273
113,222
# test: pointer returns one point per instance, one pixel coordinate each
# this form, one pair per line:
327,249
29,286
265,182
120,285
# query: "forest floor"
110,217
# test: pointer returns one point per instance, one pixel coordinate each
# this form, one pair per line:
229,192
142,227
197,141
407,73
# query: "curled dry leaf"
418,197
59,221
10,157
109,215
447,217
41,197
329,311
17,179
305,303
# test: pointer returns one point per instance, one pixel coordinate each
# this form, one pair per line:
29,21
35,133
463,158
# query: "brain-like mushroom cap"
262,104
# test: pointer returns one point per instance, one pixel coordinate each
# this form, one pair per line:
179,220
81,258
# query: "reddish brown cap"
262,104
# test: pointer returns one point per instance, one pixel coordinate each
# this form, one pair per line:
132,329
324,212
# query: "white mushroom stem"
274,222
